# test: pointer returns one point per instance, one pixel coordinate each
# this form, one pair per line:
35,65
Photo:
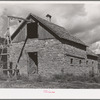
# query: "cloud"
90,36
87,27
95,47
81,20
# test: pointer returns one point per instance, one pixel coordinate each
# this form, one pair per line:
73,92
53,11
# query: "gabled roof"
89,52
57,30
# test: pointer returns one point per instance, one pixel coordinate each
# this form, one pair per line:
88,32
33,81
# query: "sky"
81,20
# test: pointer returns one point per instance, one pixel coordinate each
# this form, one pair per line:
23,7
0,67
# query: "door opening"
4,64
33,62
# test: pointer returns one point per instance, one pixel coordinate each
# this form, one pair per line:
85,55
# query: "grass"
62,81
56,85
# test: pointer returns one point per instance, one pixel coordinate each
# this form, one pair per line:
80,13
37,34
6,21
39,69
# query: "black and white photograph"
50,45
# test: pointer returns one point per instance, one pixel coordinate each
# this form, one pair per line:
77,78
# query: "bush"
71,77
39,78
23,77
31,78
3,77
96,79
59,77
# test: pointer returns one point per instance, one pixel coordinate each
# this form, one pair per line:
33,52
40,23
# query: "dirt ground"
54,85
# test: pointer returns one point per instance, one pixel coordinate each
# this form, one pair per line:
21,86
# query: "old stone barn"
46,49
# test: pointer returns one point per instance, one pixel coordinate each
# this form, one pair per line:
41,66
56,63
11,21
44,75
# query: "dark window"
92,62
86,62
32,30
71,61
80,61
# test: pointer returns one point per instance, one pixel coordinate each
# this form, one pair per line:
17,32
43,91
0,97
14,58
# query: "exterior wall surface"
21,36
51,58
44,34
99,62
93,64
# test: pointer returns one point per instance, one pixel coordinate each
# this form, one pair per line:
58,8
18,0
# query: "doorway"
32,62
4,64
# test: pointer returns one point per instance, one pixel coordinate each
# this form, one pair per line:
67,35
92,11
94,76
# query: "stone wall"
99,62
93,65
51,57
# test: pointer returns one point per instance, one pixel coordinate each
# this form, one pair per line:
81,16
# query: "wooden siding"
21,35
44,34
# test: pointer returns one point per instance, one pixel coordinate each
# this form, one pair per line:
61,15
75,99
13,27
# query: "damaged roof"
57,30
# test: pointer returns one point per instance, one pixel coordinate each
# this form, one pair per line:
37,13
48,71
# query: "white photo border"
58,93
